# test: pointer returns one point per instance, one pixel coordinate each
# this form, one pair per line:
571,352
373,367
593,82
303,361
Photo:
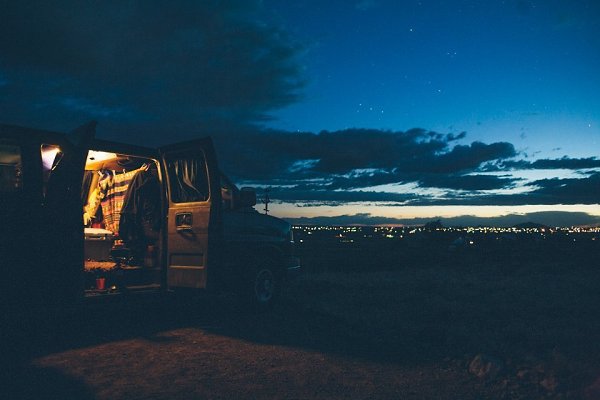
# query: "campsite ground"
527,322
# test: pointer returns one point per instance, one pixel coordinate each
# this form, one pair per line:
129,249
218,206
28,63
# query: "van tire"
265,285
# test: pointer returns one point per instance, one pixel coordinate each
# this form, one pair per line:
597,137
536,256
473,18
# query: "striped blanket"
114,188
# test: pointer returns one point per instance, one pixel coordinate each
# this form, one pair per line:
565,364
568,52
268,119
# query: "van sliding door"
191,172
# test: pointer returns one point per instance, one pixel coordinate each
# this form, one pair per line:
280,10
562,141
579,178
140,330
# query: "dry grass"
538,314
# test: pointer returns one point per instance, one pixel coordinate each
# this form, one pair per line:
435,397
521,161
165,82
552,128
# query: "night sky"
370,111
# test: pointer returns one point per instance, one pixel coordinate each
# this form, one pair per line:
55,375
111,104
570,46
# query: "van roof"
123,148
7,130
52,137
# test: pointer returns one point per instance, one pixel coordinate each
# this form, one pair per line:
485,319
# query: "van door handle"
183,220
184,229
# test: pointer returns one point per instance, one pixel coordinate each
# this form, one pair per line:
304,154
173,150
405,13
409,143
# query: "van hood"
255,224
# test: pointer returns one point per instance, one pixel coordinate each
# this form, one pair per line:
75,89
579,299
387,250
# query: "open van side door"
193,201
62,228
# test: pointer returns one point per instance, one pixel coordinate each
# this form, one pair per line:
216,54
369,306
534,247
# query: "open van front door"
193,199
41,238
62,225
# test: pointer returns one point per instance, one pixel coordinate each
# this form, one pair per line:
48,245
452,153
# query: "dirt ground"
287,353
408,334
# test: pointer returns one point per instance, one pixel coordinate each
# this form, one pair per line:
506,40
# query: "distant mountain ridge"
530,225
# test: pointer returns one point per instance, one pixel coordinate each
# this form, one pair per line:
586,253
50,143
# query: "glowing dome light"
49,153
95,156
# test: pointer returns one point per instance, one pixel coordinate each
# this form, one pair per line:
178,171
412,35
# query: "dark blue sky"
521,71
366,110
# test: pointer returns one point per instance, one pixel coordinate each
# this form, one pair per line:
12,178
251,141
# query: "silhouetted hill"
531,225
433,225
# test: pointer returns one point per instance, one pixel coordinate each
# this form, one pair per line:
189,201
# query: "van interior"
121,214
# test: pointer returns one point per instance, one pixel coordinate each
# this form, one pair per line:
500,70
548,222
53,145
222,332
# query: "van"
84,218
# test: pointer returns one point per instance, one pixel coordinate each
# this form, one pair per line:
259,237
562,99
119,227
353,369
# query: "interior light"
49,155
94,156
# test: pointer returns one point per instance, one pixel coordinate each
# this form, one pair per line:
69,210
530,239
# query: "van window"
11,179
188,178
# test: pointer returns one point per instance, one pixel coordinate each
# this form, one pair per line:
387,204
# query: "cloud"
559,163
367,179
467,182
125,62
416,167
416,150
334,197
572,191
463,157
350,164
345,151
550,191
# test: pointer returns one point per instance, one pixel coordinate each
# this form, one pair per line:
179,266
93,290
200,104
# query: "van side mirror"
247,197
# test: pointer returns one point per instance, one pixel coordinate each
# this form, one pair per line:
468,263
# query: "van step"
142,288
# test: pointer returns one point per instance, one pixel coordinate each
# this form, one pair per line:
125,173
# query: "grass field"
530,308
